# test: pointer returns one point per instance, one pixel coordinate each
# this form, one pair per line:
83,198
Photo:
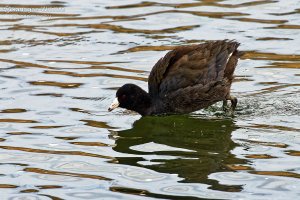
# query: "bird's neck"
144,104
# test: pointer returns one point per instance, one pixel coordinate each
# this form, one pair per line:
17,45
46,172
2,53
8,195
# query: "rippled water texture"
62,62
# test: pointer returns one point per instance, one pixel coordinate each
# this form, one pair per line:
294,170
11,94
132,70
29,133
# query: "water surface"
62,62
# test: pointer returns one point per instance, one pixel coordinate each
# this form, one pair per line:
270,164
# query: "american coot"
186,79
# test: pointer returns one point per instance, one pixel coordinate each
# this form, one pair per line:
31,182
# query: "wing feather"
193,69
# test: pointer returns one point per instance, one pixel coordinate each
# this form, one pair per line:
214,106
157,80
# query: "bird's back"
192,77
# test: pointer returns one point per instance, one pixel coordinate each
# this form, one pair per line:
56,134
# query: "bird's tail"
232,61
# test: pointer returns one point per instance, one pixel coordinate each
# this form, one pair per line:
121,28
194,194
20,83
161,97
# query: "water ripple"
62,62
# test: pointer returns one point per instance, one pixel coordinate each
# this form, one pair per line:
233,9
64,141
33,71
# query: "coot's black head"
132,97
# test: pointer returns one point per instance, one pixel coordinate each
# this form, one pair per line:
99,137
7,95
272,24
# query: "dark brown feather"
194,76
190,65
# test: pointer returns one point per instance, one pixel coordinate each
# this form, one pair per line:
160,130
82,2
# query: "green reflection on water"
209,142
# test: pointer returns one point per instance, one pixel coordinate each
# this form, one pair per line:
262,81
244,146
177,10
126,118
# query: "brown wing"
188,66
192,98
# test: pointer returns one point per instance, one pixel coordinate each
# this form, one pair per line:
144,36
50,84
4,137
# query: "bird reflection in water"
200,147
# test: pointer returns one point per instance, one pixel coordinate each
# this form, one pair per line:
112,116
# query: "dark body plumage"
186,79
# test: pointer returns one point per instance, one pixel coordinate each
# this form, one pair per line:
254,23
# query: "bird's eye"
123,96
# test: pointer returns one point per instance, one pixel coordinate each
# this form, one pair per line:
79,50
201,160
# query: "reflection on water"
62,62
199,146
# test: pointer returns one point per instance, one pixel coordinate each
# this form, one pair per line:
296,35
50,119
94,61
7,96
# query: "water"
62,62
